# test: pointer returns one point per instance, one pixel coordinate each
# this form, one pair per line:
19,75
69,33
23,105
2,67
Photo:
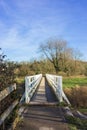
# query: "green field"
71,82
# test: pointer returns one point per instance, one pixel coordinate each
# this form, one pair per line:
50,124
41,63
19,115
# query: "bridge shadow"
42,118
44,113
51,97
44,94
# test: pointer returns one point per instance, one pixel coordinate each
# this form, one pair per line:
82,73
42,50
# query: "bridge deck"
44,94
44,117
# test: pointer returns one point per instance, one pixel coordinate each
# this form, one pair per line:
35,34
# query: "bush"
79,123
77,96
7,75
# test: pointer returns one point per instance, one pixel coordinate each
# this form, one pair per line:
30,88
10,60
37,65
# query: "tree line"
59,58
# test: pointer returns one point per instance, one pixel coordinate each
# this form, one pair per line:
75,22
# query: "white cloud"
30,22
26,31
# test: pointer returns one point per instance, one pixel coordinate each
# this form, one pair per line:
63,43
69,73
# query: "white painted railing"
3,95
56,84
31,83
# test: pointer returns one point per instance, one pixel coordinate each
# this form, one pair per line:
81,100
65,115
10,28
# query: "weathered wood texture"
8,111
7,91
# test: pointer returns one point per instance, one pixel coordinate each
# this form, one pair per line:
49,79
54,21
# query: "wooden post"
60,88
27,81
3,126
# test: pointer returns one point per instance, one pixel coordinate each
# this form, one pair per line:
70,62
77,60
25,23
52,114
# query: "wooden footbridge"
42,96
42,111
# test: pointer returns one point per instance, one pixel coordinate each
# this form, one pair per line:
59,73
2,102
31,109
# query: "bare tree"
57,52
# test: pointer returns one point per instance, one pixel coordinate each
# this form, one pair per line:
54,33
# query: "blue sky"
24,24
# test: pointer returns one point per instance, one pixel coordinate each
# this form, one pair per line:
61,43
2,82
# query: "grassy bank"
70,82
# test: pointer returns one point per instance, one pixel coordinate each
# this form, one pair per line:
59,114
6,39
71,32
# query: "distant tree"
57,52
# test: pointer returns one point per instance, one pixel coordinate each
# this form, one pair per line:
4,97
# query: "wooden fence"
3,95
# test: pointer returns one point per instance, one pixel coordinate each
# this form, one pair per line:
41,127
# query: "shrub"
77,96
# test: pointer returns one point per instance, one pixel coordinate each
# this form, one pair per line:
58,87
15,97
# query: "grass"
76,123
72,127
71,82
16,121
83,110
19,80
76,90
77,97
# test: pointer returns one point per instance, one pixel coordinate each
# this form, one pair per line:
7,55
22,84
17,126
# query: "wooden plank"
8,111
7,91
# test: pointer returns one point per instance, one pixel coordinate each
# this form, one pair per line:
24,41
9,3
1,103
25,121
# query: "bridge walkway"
44,94
42,113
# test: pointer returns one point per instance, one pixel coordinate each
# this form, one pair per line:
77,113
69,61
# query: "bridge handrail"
31,83
8,111
31,86
51,80
3,94
57,87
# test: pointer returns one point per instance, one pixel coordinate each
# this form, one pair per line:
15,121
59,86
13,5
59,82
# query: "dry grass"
77,96
16,121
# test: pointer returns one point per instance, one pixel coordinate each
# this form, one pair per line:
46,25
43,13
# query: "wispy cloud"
25,23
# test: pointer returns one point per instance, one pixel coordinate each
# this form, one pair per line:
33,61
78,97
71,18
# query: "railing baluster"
31,83
56,83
